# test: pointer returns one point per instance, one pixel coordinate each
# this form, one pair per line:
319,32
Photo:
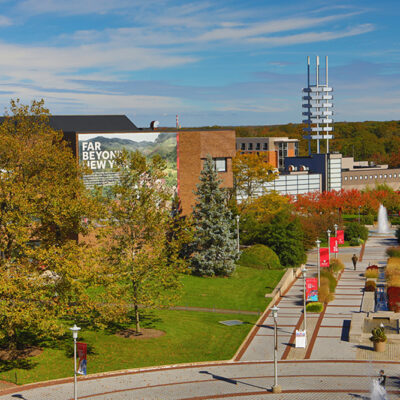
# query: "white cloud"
310,37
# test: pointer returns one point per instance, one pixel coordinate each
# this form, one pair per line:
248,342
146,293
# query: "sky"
222,62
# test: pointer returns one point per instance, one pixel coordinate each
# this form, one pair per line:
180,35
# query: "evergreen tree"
214,244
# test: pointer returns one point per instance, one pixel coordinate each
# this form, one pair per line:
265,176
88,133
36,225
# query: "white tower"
318,105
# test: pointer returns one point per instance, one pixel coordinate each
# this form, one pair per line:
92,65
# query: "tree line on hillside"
374,141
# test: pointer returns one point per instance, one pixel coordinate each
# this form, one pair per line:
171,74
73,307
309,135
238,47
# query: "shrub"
378,335
332,280
355,230
371,274
392,272
324,295
370,286
315,307
336,266
261,257
395,220
368,219
355,242
393,251
393,298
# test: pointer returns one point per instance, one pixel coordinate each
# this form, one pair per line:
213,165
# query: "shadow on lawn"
21,363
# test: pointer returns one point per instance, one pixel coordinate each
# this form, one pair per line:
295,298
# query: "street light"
336,226
329,245
75,329
304,272
359,208
276,388
237,228
318,242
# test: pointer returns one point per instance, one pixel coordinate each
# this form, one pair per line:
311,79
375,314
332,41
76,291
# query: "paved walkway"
329,368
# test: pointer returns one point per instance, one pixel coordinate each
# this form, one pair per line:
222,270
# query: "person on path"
382,378
354,259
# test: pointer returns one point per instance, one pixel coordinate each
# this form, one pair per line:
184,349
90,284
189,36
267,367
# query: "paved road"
329,368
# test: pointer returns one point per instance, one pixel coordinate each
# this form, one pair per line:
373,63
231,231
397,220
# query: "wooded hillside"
370,140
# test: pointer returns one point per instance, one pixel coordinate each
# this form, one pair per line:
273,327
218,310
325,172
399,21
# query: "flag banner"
340,237
312,289
81,349
334,245
324,257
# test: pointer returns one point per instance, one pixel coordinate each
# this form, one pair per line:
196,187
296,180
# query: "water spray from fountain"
383,222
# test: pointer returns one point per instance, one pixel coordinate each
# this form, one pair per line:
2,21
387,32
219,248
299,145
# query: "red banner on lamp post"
81,349
340,237
312,289
334,248
324,257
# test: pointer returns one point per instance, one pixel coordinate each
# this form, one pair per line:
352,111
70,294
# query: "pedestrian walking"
354,259
382,378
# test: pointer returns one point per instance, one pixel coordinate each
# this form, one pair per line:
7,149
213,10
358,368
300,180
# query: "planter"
379,346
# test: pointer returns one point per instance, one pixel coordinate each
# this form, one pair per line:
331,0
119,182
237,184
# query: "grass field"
244,290
190,336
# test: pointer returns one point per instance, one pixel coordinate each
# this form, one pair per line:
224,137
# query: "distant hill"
377,141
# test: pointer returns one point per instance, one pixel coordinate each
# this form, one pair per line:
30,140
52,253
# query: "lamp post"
304,272
329,245
75,329
336,226
276,388
359,219
318,242
237,228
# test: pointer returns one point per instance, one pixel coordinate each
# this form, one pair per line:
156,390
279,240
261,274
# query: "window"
351,178
345,178
376,176
385,176
265,146
390,175
258,146
370,177
394,175
361,177
380,176
243,146
366,177
250,146
355,178
220,164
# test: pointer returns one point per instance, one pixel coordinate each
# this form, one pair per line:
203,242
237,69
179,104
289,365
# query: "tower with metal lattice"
317,103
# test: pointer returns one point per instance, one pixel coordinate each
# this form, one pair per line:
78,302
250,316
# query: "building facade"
276,149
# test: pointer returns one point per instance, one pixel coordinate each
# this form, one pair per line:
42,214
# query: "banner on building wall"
99,151
312,289
81,349
334,248
340,237
324,257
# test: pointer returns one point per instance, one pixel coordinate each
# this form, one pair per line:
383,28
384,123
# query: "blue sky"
212,62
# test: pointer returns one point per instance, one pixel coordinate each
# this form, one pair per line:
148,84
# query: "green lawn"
190,336
244,290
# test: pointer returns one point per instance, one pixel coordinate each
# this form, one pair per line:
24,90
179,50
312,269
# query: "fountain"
383,223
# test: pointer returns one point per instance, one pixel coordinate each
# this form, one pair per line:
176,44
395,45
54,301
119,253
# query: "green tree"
43,272
283,234
250,172
139,255
214,246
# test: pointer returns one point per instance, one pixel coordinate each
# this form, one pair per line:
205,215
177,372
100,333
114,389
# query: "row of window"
249,146
361,177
